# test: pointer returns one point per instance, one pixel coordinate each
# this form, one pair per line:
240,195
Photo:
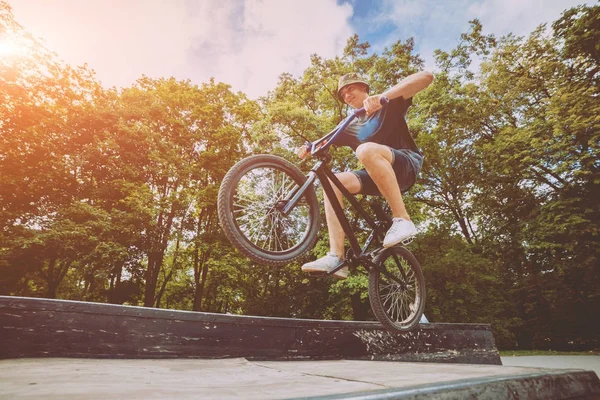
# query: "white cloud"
249,43
268,38
518,16
245,43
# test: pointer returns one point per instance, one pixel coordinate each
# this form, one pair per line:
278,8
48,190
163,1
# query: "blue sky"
249,43
437,24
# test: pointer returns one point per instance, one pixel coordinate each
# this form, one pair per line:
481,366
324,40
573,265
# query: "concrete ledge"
32,327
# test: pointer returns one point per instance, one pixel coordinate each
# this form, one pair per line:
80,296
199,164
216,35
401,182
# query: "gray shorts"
406,165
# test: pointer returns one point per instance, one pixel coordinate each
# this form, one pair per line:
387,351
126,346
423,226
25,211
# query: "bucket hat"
349,79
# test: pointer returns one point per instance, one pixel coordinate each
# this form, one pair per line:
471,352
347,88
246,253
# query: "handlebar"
331,136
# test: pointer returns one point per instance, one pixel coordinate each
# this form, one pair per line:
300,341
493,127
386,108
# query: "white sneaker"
402,231
326,264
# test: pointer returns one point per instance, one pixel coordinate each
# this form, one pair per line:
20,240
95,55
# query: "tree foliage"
110,195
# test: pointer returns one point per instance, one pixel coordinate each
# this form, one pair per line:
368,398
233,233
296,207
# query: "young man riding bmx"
388,153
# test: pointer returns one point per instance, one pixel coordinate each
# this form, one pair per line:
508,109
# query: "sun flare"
8,48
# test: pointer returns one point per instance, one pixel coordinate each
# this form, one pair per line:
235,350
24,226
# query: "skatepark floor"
239,378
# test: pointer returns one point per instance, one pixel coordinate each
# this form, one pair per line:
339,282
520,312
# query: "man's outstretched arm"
410,86
406,88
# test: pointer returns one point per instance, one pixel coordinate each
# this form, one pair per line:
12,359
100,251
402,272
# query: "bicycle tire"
249,181
390,303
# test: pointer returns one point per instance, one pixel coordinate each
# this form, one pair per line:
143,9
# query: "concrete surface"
590,363
60,378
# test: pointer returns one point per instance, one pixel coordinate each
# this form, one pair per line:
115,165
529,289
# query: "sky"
249,43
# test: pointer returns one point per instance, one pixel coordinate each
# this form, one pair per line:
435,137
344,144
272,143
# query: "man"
388,153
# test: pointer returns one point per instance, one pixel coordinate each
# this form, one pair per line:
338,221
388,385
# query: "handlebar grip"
383,101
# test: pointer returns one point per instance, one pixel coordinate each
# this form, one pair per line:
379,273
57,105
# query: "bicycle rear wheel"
251,198
397,289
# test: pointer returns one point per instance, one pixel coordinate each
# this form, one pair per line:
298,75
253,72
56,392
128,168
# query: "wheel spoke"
257,211
397,289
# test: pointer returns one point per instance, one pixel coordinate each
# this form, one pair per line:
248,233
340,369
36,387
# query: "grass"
521,353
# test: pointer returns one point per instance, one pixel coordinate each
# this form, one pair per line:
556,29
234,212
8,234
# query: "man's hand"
372,104
302,151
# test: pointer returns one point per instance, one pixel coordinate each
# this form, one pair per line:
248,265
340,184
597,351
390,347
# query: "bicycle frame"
325,176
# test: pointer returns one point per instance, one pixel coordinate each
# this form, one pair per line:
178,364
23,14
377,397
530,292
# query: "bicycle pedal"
408,241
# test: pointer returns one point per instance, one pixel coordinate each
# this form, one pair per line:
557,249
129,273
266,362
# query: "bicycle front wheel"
397,289
251,199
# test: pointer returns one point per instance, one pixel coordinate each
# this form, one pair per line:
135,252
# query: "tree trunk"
156,256
359,309
56,274
151,277
163,286
200,286
201,258
173,267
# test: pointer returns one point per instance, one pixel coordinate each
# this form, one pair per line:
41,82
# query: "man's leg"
336,233
377,160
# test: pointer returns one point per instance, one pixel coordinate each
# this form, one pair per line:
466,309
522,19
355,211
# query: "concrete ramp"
57,328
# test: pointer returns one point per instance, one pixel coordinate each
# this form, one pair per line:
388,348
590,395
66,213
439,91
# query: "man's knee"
367,151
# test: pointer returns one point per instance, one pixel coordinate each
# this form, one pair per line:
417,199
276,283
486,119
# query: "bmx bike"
269,211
